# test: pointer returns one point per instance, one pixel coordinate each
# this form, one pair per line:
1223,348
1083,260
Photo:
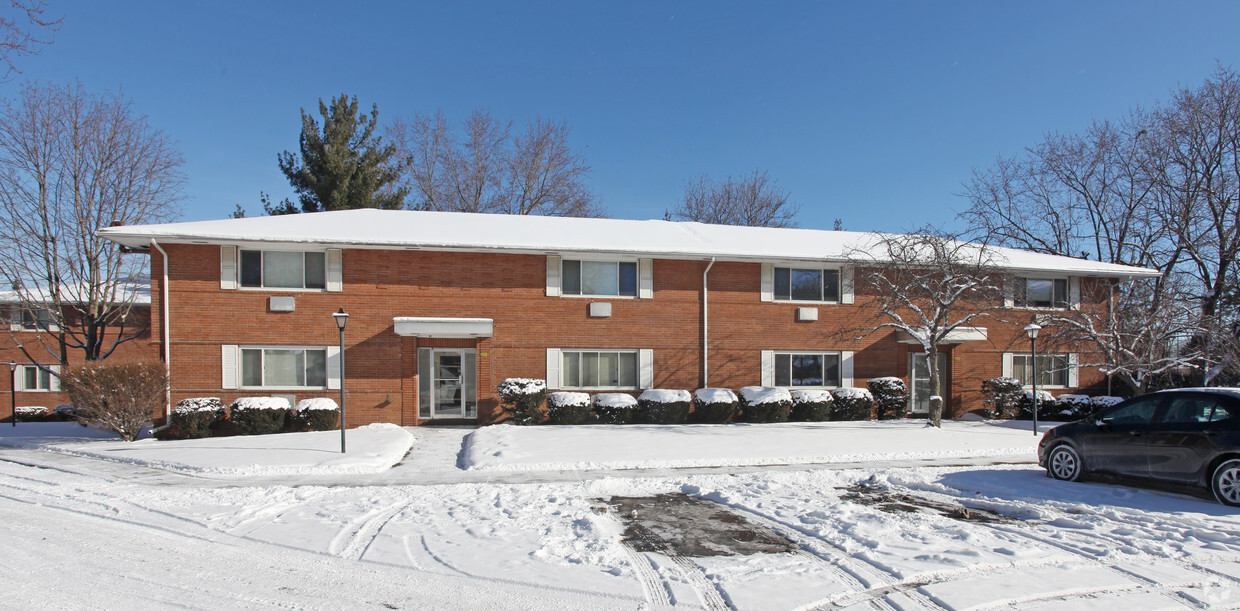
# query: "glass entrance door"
447,380
919,380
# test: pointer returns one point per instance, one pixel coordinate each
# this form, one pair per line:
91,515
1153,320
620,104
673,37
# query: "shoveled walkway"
435,459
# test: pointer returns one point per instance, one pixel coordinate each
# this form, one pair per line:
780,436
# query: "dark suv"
1184,436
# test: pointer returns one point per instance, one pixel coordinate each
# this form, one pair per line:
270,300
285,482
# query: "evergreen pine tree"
345,165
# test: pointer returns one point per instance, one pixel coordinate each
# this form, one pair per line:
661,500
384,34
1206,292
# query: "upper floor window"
796,284
807,369
36,320
603,278
1052,369
599,369
1041,293
283,269
284,367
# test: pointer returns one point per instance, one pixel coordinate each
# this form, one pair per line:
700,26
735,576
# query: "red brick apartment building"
443,306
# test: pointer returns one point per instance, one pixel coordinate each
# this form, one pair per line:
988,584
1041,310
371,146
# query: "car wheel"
1225,483
1063,463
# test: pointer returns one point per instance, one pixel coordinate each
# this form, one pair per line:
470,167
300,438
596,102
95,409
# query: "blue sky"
874,112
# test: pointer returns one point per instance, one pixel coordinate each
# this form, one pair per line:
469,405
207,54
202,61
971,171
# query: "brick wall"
381,367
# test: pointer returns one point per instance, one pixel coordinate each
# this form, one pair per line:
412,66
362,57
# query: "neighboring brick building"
37,330
443,306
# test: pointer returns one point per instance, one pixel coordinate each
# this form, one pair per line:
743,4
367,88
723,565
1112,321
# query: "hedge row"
206,417
523,400
1006,398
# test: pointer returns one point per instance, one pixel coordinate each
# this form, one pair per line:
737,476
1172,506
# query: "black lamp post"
1032,330
341,320
13,390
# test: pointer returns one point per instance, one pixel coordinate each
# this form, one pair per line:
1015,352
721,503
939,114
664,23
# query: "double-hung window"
599,369
284,367
32,378
1041,293
283,269
807,284
794,369
602,278
36,320
1052,369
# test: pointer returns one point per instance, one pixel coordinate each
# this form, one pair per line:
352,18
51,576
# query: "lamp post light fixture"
341,319
13,390
1032,330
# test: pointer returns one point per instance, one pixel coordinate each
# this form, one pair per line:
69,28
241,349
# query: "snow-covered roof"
136,291
459,231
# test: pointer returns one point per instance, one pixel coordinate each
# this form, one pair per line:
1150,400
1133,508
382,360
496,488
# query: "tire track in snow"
658,592
355,538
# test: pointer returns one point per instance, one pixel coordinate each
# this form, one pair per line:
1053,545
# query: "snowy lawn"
372,449
530,448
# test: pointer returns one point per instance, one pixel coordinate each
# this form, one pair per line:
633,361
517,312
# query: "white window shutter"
15,318
19,379
768,367
228,358
645,368
846,285
1007,364
553,366
768,282
335,270
553,277
1074,371
1009,293
846,369
228,267
645,278
333,367
53,380
1074,292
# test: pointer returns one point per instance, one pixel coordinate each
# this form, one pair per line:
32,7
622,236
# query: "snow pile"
248,403
715,395
512,387
614,400
758,395
30,411
815,395
851,393
665,396
568,399
198,404
316,404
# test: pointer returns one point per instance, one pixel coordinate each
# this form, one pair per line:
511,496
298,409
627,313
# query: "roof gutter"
705,329
163,315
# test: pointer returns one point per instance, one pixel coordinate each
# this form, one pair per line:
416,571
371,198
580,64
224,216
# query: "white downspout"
705,329
163,289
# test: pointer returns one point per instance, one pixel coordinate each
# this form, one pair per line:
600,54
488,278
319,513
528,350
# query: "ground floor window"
599,369
1052,369
807,369
284,367
32,378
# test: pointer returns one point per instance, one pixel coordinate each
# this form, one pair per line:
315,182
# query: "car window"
1137,411
1221,414
1189,410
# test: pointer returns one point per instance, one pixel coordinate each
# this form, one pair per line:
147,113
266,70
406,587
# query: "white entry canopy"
443,327
959,335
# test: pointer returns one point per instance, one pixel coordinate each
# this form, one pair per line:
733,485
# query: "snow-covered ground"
80,532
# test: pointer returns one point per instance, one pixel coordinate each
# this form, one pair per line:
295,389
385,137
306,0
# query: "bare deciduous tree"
927,285
71,163
753,200
488,168
21,31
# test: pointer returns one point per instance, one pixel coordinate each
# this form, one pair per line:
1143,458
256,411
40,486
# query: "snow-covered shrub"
852,404
117,397
30,412
713,405
663,406
614,407
259,415
810,405
317,414
192,418
890,397
1073,407
1047,408
765,404
568,407
1104,401
522,399
1001,397
65,411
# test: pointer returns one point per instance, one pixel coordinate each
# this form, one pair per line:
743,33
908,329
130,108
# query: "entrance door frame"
427,396
944,376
